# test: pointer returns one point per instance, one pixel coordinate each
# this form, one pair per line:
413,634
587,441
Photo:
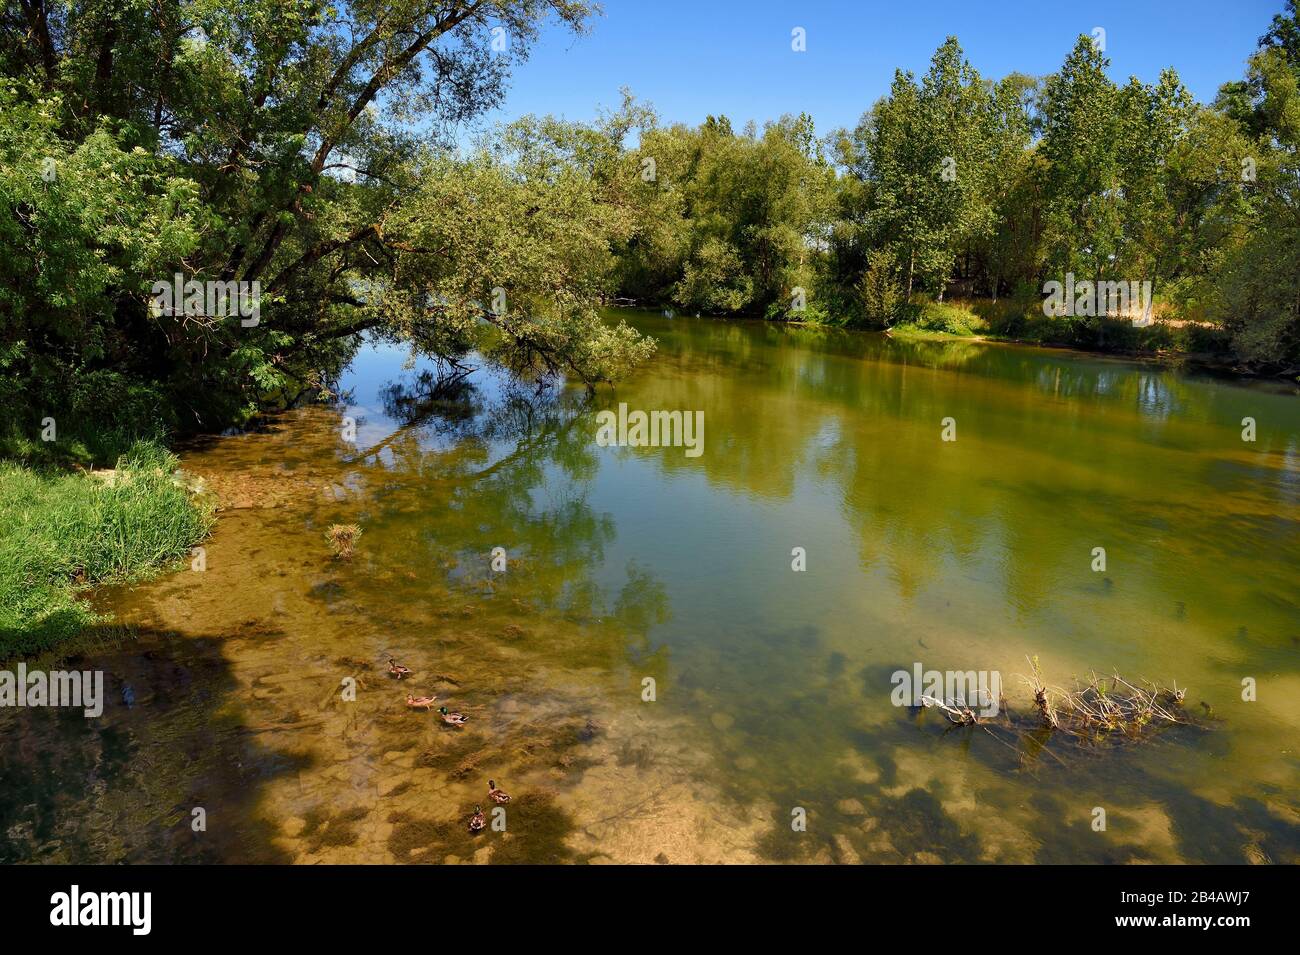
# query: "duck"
420,702
452,719
397,670
497,795
476,821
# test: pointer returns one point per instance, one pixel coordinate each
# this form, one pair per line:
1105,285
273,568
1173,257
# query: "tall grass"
61,533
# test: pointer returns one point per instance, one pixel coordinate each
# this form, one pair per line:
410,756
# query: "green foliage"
729,223
949,318
926,152
880,287
88,221
300,146
61,533
1107,182
1255,278
309,148
952,184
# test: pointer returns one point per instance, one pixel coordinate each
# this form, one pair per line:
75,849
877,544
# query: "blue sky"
694,58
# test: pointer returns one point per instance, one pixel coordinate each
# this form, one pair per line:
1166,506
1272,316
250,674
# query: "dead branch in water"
1100,707
957,712
1097,710
343,539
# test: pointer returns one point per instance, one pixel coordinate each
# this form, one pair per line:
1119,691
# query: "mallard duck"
476,821
496,795
397,670
421,702
452,719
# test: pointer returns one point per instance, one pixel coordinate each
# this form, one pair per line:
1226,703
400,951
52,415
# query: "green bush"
950,318
946,318
880,292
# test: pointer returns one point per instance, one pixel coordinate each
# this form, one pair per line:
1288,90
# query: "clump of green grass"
61,533
945,318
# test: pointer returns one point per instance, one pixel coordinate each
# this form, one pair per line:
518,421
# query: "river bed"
260,684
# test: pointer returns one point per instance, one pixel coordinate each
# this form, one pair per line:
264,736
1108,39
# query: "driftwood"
1102,706
957,712
1096,711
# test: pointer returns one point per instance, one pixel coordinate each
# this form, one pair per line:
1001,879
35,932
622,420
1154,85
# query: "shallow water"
772,687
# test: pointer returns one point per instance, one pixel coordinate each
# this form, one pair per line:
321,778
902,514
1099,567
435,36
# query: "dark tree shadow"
122,787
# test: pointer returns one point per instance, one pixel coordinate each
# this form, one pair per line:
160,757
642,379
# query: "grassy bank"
1011,321
62,533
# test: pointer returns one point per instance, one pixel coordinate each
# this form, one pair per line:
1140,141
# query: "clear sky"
694,58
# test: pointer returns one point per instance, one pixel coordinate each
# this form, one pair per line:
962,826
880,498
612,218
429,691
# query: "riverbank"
62,533
1017,322
1009,322
1212,363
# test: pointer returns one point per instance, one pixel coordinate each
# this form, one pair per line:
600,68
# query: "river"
649,677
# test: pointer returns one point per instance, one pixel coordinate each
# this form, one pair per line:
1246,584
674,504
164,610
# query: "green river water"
772,687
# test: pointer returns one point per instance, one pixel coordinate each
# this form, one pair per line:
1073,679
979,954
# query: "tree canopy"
303,145
955,184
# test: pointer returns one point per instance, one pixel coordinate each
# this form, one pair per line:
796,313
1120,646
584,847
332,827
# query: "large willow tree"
304,145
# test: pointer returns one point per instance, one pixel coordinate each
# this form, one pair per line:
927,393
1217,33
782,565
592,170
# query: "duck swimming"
452,719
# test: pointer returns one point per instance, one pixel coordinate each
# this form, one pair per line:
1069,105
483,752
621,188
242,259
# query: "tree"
1081,130
730,223
927,152
1255,281
1243,100
1008,255
290,143
1107,174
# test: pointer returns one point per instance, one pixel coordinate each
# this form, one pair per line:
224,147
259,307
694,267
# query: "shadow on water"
122,787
